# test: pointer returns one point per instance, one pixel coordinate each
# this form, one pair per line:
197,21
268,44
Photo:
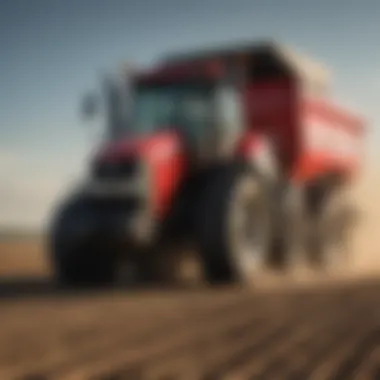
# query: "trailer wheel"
329,234
234,226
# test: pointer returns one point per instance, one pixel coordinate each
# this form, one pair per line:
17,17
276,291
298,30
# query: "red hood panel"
165,157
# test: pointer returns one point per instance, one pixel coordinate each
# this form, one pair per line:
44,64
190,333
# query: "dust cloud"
366,235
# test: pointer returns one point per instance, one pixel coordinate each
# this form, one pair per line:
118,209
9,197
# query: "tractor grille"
109,205
106,170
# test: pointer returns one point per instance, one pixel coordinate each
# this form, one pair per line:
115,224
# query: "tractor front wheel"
80,269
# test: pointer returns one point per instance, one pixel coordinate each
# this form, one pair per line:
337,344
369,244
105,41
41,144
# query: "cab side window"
230,110
230,115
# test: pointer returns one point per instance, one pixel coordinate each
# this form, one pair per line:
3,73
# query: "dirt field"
322,330
22,258
327,330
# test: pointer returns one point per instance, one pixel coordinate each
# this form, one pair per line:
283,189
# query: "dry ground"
22,258
327,330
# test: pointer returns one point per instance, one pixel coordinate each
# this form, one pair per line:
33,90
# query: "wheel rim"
249,227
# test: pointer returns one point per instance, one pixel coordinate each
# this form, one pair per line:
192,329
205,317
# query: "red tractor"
235,152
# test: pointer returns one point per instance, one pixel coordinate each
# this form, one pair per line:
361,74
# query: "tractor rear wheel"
234,226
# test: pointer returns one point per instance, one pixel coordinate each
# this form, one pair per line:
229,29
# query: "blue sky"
52,51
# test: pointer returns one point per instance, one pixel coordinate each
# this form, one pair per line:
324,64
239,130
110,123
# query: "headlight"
120,178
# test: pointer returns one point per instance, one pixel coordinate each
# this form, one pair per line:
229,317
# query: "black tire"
328,242
228,255
147,271
80,270
78,263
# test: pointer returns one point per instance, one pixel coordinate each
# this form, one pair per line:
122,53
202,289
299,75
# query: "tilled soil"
318,332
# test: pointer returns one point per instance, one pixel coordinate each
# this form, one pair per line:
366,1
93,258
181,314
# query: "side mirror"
90,106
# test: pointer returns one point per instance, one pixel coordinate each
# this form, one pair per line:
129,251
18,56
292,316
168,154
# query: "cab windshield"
186,107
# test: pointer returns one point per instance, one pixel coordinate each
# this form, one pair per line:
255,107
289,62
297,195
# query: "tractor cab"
199,102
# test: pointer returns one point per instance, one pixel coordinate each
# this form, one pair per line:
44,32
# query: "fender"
167,166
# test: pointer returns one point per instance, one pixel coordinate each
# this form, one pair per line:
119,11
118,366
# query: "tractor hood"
152,147
136,165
